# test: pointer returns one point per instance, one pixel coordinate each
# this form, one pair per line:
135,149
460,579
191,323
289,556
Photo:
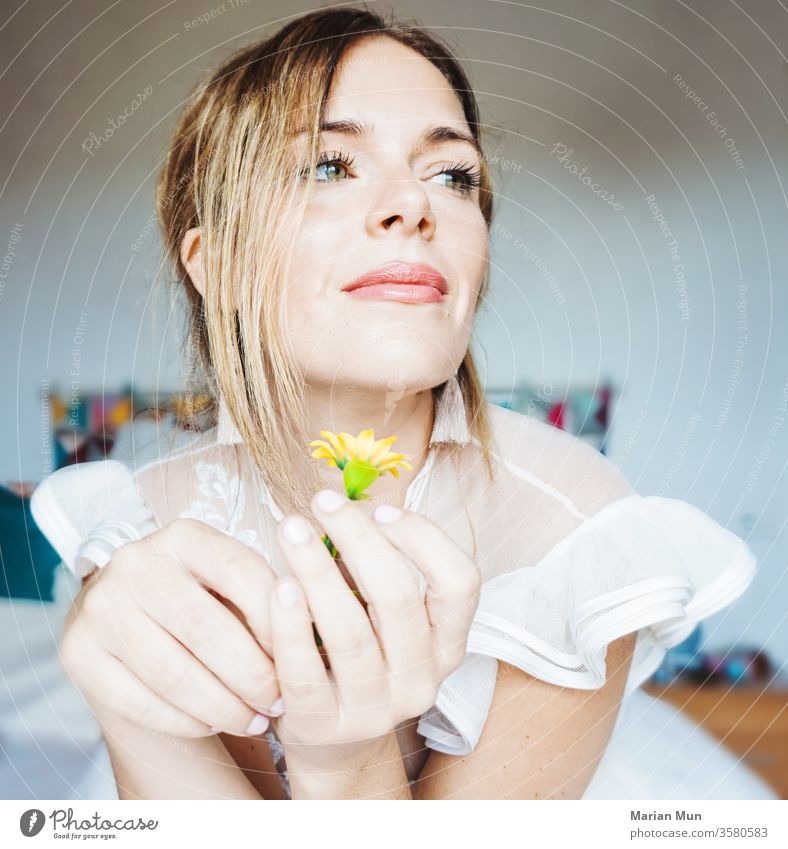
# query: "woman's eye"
459,179
333,166
331,172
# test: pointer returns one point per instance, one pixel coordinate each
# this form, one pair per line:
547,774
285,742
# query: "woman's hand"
386,663
148,639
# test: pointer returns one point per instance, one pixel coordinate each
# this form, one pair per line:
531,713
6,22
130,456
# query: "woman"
327,206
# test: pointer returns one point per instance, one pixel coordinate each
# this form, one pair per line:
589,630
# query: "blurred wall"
641,157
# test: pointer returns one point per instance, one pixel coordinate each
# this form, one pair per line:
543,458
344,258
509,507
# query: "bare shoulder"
563,462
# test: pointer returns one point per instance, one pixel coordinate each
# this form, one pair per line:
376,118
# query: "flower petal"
348,444
394,460
335,442
381,449
365,442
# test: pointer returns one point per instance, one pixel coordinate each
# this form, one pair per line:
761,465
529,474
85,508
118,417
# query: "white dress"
571,559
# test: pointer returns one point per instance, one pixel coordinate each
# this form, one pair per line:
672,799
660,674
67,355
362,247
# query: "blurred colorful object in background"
85,426
582,411
683,660
739,666
686,662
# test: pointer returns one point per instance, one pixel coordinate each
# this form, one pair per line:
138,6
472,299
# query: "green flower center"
358,475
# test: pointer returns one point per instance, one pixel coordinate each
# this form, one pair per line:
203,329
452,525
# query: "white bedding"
50,744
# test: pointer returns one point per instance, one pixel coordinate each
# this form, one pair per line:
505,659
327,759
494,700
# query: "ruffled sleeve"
652,565
89,510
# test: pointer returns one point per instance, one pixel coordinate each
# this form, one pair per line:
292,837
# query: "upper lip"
414,273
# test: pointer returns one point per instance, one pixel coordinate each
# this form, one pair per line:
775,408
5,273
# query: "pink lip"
400,281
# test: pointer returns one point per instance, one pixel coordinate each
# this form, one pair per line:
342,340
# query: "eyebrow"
432,136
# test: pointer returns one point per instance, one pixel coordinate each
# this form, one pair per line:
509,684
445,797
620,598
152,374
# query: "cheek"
315,248
471,257
478,241
328,232
463,231
313,313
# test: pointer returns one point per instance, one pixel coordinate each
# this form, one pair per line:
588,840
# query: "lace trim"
217,485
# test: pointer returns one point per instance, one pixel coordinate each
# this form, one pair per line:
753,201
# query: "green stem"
318,640
334,553
330,546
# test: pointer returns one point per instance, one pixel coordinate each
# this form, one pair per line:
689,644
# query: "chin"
400,362
386,376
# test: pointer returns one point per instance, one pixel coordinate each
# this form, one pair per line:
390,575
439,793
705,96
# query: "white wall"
582,291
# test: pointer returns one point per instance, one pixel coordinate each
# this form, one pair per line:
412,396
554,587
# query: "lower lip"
408,293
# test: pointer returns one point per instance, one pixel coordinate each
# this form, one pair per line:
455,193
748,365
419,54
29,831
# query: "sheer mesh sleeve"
87,511
570,565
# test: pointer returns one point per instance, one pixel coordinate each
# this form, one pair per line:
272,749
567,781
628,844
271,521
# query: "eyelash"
471,176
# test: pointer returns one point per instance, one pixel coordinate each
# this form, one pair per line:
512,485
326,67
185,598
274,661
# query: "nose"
402,207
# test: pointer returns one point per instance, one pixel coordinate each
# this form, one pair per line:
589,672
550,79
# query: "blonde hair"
228,170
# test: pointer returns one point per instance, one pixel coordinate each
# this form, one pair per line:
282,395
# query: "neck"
408,416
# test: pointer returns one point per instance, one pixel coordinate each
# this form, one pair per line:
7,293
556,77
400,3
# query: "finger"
227,566
388,581
453,580
344,626
218,639
160,661
125,695
303,678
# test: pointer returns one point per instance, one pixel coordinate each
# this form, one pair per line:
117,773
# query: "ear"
191,257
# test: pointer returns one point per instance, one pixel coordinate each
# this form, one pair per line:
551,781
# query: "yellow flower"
362,458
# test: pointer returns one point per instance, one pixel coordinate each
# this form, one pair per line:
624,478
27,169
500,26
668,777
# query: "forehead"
382,79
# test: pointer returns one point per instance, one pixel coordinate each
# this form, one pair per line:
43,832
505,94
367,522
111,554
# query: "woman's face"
394,192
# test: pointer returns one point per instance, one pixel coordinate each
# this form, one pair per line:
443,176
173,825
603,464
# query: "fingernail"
387,514
286,593
257,725
277,708
329,500
296,530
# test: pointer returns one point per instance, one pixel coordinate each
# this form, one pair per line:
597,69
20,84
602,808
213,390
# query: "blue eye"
332,167
330,172
462,178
